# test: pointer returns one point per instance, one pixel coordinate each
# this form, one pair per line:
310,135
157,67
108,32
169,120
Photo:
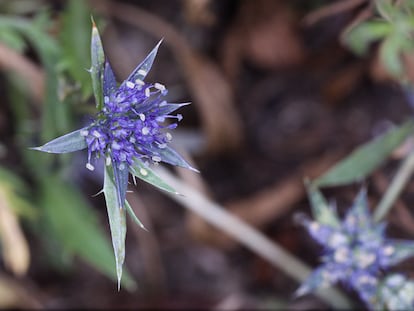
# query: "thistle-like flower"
356,251
130,131
131,125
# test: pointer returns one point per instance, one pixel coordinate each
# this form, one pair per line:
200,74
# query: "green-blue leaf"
76,226
97,68
390,53
117,220
70,142
386,9
321,210
361,36
145,173
365,159
141,71
12,38
170,156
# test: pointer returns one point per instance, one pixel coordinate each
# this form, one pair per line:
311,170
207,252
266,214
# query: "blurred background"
277,95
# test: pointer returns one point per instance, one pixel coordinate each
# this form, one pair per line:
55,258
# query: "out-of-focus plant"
356,251
393,28
357,254
65,221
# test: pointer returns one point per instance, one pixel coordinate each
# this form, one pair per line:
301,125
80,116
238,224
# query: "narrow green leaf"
386,9
12,38
70,142
145,173
75,224
117,220
360,37
97,68
365,159
390,53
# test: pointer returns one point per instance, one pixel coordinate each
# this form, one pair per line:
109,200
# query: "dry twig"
265,206
248,236
331,9
402,217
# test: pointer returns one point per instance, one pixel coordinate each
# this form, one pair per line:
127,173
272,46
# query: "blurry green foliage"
64,214
320,208
365,159
75,39
393,28
76,226
18,194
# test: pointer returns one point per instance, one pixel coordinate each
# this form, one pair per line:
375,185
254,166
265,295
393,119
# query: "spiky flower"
132,124
130,131
355,251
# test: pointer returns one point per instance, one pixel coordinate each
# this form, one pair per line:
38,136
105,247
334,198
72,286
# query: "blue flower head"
132,125
131,130
355,250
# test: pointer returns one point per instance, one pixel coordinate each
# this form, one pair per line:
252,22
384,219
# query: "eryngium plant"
356,253
130,132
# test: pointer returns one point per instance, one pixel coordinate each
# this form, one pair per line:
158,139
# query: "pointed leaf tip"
193,169
134,217
93,22
36,148
141,71
170,156
97,67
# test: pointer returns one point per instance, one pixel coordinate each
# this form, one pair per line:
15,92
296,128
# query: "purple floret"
131,125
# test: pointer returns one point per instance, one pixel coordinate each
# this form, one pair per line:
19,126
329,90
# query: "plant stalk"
247,235
397,185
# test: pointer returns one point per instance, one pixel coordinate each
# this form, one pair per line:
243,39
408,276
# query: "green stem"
247,235
397,184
